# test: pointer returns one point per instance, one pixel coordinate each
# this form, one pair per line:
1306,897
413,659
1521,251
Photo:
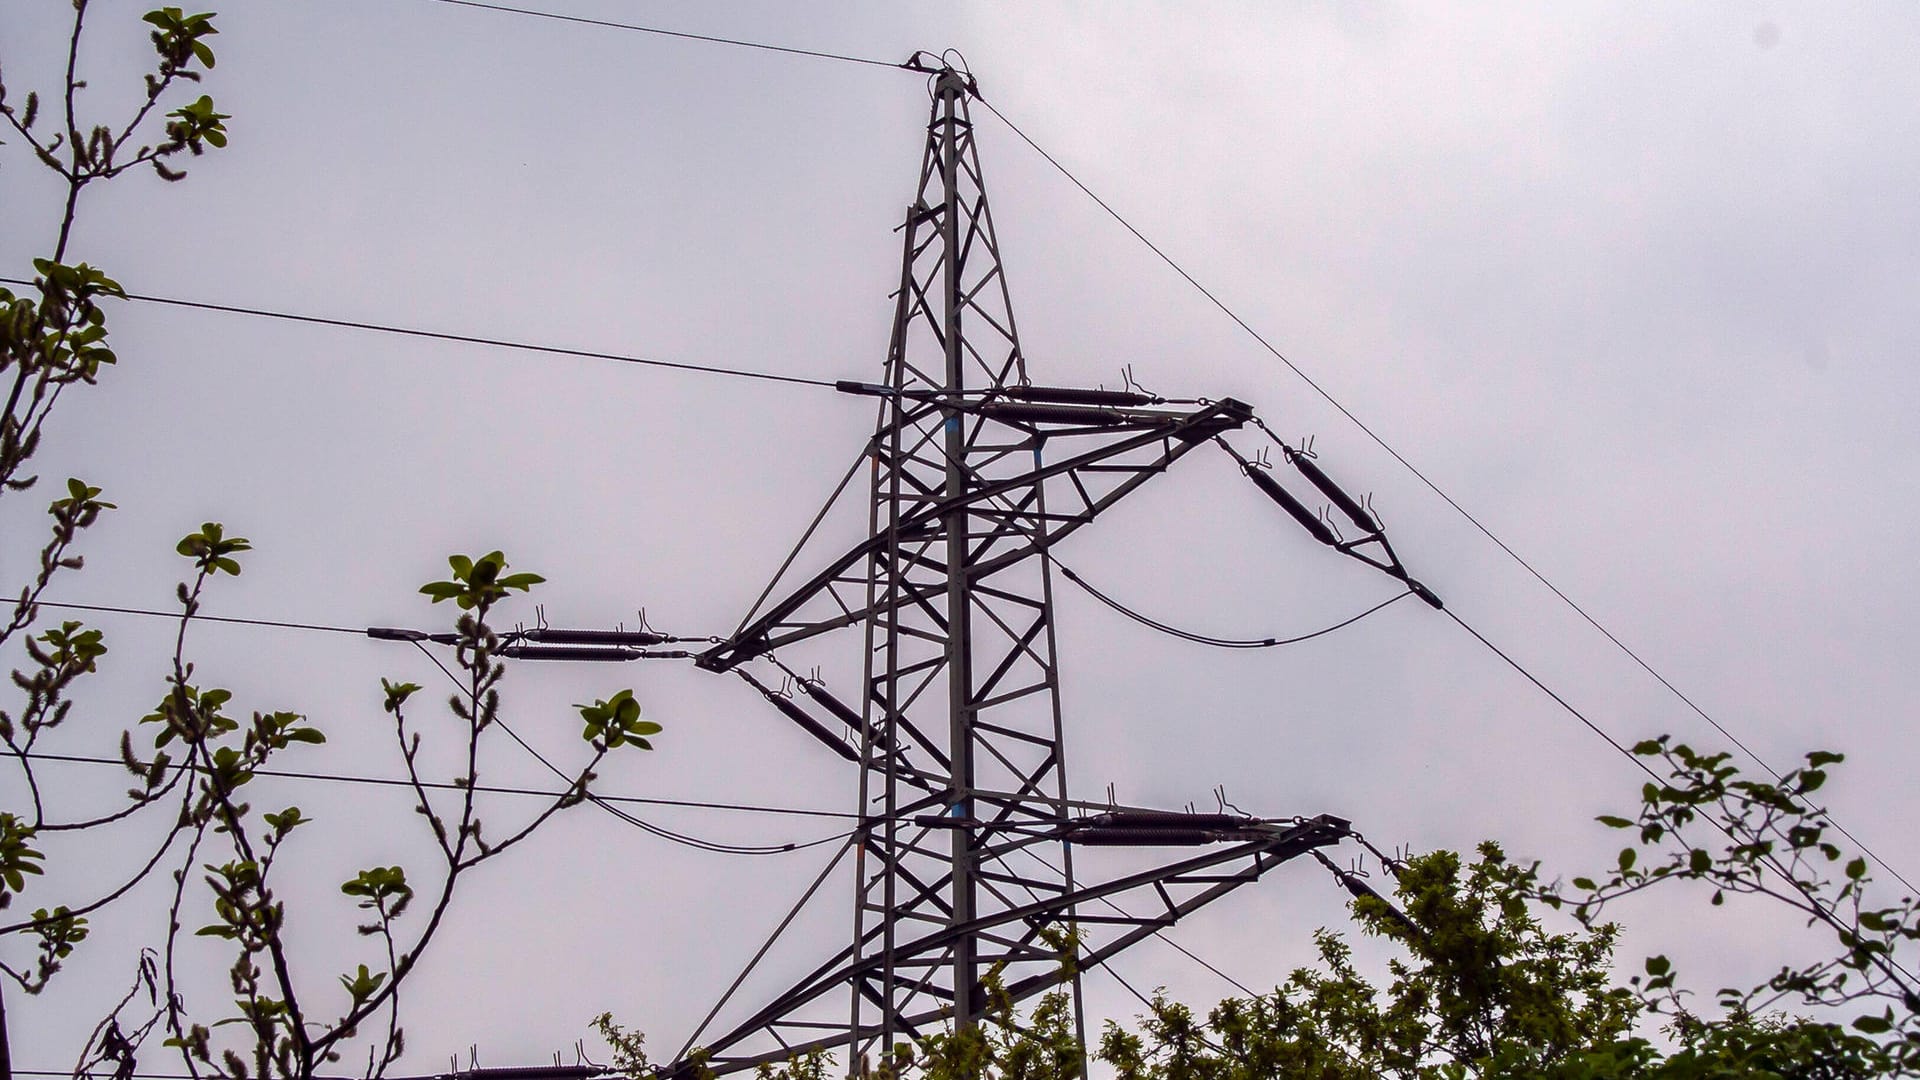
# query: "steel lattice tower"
964,854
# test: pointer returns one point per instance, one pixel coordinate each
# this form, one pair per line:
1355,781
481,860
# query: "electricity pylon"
964,851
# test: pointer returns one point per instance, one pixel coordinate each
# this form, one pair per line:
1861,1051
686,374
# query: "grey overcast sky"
1634,283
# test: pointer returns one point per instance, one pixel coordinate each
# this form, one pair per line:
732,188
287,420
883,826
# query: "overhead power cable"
1152,1009
509,1072
604,802
1158,932
608,24
1217,642
492,789
683,839
204,618
548,643
1380,441
1265,344
1888,964
1137,234
466,339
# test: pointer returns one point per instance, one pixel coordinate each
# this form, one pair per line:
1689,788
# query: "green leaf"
363,984
1873,1025
397,694
1613,822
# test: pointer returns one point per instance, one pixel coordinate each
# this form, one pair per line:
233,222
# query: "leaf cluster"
1707,823
478,582
615,722
105,150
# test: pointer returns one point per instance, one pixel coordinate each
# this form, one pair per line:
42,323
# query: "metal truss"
1136,907
964,857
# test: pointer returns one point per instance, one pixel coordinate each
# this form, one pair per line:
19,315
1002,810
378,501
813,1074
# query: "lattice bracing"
964,860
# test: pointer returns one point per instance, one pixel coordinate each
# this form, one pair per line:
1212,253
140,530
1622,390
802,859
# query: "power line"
1159,932
1170,262
603,802
493,789
1422,477
682,34
466,339
1269,347
669,835
1888,964
504,1073
1216,642
1154,1010
206,618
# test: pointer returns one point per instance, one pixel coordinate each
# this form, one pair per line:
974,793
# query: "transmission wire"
1216,642
384,781
1137,234
205,618
670,835
1295,368
1258,337
294,774
1823,913
1142,998
1422,477
1158,932
709,38
467,339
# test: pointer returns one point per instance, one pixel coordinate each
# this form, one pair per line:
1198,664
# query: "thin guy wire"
382,781
467,339
1823,912
1423,478
709,38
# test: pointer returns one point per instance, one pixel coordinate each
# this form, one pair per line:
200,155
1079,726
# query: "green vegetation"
196,753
